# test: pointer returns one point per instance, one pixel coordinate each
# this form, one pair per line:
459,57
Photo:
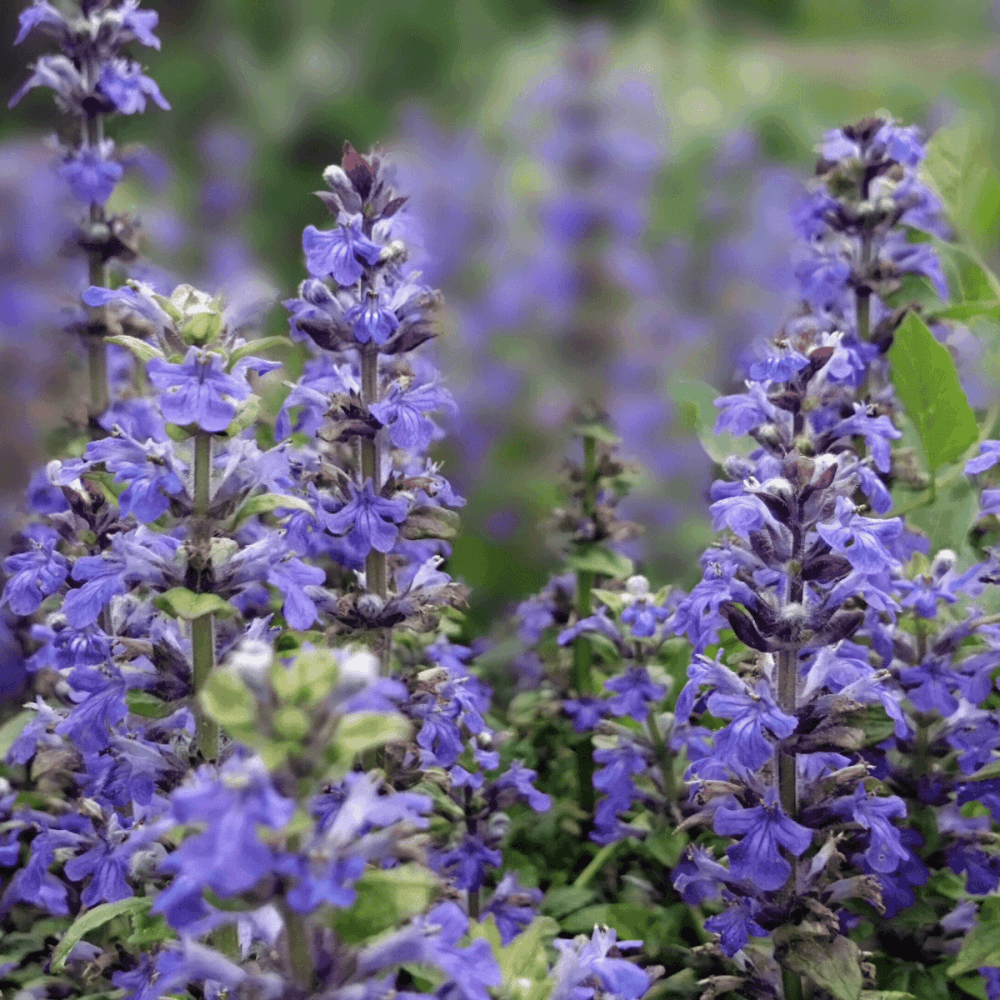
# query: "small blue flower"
885,850
765,828
633,693
736,924
513,907
35,574
466,864
404,412
861,539
370,520
335,252
643,616
127,87
742,743
194,391
371,321
989,455
91,176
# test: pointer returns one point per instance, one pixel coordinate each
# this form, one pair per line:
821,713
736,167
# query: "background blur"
602,190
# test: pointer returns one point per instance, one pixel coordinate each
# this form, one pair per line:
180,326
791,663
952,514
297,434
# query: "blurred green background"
298,77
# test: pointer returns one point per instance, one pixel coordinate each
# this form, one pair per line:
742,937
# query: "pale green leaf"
91,920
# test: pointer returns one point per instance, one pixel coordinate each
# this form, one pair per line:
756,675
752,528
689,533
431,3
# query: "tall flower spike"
91,79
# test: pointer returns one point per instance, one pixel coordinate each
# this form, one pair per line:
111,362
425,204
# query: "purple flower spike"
335,252
369,519
198,390
765,829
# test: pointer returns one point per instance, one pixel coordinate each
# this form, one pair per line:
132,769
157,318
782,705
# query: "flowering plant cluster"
264,760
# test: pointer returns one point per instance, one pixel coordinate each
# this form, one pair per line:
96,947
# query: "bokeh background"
602,190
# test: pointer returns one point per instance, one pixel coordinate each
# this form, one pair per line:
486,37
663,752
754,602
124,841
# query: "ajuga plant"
92,77
216,784
384,511
833,753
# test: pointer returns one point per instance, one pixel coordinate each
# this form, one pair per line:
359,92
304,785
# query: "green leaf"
245,416
358,732
229,701
565,900
149,928
147,705
980,946
697,412
927,385
91,920
264,503
597,431
142,350
834,966
308,679
385,898
964,311
291,723
263,344
886,995
597,559
959,166
202,328
179,602
13,728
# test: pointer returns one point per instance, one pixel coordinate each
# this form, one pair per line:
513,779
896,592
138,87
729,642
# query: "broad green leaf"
228,700
264,503
960,168
964,311
834,966
308,679
91,920
179,602
13,728
142,350
358,732
980,946
597,559
927,385
384,899
263,344
565,900
523,962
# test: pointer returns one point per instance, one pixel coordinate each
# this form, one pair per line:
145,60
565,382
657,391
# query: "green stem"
203,628
371,468
597,862
300,963
666,764
203,660
202,473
